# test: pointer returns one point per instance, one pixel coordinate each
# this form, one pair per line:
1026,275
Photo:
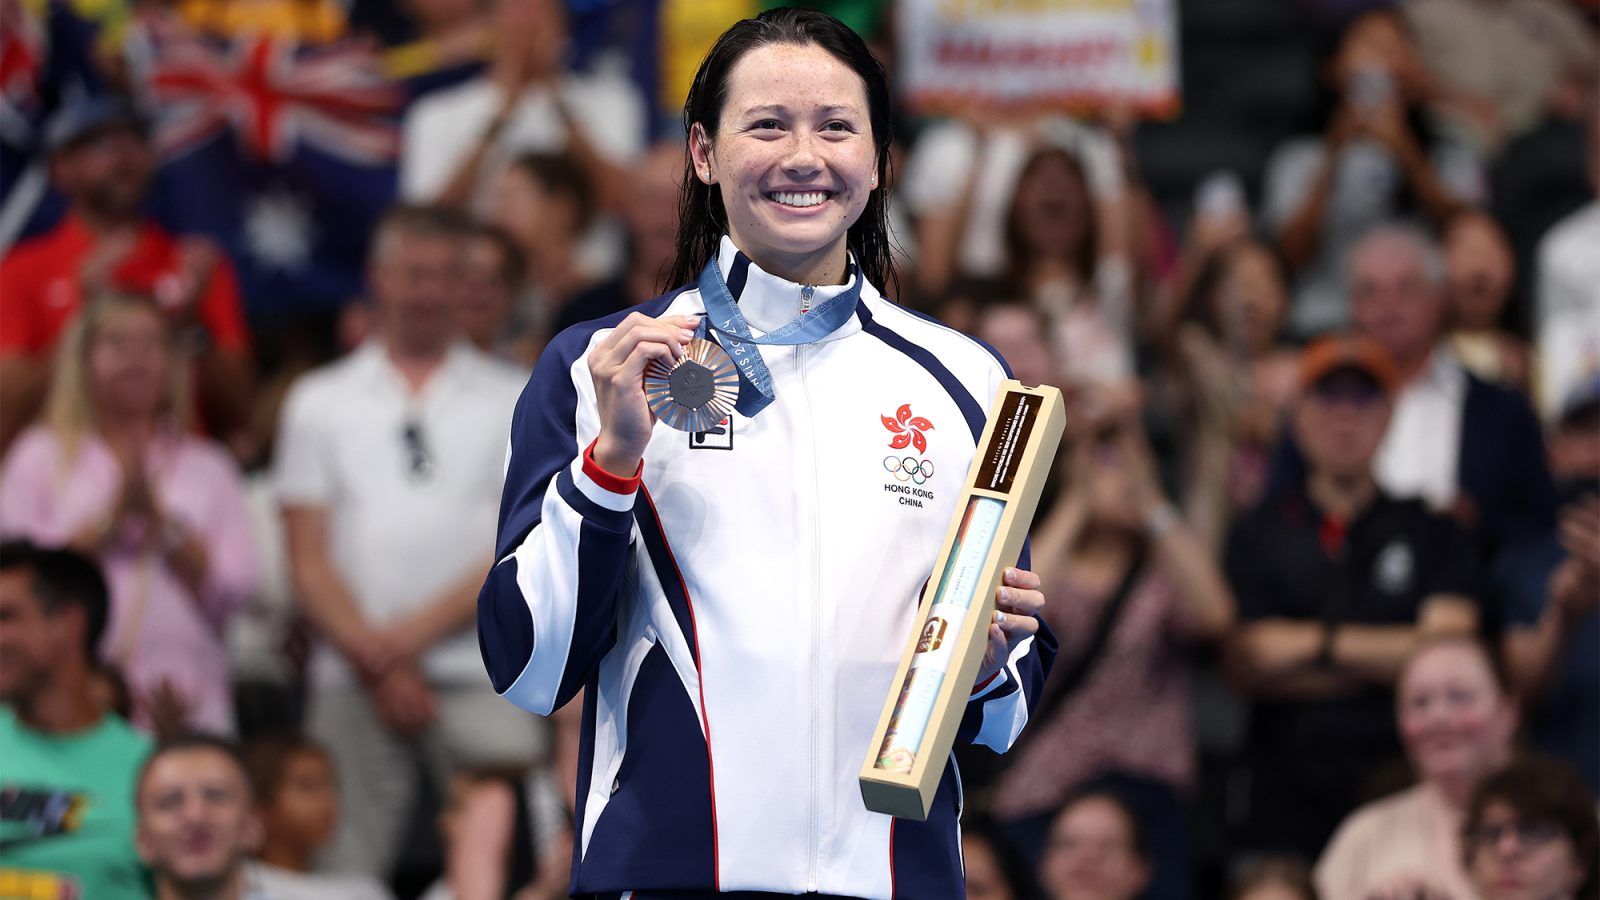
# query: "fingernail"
999,617
1005,594
687,334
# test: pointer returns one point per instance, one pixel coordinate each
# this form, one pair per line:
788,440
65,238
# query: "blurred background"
1310,600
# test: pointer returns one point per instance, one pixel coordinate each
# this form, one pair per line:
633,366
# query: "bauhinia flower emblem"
908,429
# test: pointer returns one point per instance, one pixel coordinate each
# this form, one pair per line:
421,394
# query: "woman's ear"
700,152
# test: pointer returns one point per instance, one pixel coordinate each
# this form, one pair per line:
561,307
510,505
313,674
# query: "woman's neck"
823,267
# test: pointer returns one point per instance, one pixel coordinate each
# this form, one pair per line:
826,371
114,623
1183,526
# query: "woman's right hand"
617,366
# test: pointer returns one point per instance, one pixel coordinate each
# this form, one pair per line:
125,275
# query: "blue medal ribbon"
725,324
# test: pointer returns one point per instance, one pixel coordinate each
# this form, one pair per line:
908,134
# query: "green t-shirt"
66,812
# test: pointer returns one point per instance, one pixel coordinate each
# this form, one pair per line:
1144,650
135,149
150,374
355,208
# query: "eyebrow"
830,109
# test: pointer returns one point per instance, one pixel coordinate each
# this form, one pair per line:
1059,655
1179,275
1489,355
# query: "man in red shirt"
102,161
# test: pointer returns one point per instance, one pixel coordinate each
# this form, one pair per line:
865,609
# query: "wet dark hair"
1086,254
63,578
1543,789
702,220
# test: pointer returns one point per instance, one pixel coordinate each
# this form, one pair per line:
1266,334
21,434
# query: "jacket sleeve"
1000,707
547,611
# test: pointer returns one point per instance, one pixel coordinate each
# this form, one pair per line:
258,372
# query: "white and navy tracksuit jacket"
737,617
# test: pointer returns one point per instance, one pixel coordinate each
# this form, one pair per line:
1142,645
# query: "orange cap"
1347,351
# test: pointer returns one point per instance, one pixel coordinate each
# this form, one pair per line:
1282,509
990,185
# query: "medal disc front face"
696,393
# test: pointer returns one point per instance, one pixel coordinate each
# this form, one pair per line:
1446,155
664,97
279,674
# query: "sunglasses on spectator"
1528,833
1350,388
419,460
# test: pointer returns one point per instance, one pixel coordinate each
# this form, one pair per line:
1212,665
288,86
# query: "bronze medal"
696,393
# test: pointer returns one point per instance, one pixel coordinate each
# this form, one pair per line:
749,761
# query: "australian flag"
285,153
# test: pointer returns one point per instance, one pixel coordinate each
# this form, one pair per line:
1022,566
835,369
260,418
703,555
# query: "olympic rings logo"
908,468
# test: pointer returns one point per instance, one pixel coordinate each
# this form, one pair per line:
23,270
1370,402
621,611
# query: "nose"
803,159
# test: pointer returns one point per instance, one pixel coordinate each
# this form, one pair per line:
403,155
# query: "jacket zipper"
815,812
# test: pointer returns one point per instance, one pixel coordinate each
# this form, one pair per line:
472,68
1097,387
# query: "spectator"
296,796
1567,306
1096,850
545,203
460,140
67,766
102,161
1554,852
961,177
1336,580
388,470
992,874
1373,161
1063,253
1237,378
1462,445
113,470
1134,589
1457,721
494,271
1480,273
1552,594
652,221
1272,878
1507,66
198,827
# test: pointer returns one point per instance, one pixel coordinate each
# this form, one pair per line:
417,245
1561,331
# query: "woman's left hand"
1017,605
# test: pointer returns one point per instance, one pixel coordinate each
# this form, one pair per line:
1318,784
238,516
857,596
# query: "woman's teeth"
792,198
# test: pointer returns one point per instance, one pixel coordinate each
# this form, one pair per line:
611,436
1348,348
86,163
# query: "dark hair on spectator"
1136,835
1087,253
702,220
189,742
1543,789
513,263
266,761
1286,871
415,220
561,175
63,578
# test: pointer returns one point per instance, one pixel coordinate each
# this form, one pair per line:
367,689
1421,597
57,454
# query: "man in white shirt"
1464,446
389,471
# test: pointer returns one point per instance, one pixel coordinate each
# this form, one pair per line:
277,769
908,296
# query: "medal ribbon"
725,324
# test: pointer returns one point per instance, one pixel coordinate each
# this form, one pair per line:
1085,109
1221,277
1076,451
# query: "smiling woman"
732,602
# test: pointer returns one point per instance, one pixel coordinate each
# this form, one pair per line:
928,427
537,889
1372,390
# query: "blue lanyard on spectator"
727,326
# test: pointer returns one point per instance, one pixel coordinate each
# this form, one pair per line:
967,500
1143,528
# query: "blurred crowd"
1322,546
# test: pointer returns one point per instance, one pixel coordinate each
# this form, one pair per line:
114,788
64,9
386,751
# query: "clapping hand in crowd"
1575,584
168,708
